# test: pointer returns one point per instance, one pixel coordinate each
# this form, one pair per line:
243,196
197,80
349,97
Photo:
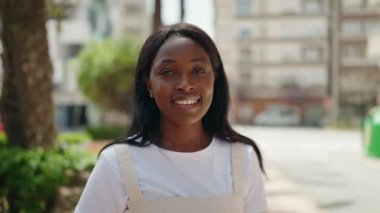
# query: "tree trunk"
26,105
157,22
182,5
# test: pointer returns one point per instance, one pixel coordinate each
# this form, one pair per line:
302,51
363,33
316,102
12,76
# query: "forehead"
179,47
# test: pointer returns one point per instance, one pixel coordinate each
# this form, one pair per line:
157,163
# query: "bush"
107,132
3,139
30,179
70,146
65,140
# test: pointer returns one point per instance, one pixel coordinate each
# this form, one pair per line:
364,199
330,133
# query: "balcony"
357,97
299,39
261,16
360,79
360,62
354,37
244,63
361,13
250,91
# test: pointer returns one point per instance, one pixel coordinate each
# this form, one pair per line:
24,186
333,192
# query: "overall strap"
237,158
128,172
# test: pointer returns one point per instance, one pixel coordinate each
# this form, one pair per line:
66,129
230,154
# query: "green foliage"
59,9
3,139
107,132
72,138
106,71
71,146
29,179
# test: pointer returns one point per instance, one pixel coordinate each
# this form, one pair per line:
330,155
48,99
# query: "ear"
148,87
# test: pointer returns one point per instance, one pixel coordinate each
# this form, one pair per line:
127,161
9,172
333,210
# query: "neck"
184,138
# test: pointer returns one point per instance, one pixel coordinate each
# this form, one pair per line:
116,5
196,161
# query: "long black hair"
145,128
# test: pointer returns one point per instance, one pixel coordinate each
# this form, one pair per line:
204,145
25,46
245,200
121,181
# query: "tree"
157,21
26,104
106,71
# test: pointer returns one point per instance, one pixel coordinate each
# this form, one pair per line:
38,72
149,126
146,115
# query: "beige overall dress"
230,203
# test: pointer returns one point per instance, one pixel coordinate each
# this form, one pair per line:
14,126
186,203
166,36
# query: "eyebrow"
167,60
198,59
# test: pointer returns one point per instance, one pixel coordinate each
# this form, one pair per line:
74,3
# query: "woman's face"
181,81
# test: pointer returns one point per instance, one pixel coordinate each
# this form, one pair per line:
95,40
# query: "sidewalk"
285,196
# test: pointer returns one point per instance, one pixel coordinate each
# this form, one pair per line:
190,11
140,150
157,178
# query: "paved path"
285,196
329,166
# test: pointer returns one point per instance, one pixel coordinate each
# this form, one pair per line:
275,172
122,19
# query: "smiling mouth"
187,101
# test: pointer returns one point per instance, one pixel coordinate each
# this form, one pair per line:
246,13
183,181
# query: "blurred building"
312,55
359,55
275,53
85,20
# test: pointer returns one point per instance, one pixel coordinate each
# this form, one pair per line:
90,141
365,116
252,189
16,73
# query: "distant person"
181,154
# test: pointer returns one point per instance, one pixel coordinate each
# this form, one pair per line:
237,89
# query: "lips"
187,100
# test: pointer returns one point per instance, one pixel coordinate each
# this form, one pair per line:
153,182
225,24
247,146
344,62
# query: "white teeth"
185,102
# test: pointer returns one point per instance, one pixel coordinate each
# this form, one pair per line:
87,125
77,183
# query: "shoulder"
110,156
110,153
105,178
249,155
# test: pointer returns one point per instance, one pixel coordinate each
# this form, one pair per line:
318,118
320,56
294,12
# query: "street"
328,165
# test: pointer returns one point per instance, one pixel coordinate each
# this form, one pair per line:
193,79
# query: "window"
313,6
72,116
288,7
312,54
349,5
72,50
244,8
99,19
289,30
353,27
353,51
244,33
245,76
289,57
245,54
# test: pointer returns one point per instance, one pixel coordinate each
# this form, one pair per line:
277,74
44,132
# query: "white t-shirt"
162,172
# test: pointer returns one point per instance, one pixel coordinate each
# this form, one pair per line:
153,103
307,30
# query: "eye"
166,72
199,71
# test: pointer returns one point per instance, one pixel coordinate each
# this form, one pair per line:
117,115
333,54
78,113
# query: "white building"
275,52
359,73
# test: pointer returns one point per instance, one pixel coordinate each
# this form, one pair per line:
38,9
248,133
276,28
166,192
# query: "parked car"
279,115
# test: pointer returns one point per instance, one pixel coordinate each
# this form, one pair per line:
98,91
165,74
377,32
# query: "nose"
185,85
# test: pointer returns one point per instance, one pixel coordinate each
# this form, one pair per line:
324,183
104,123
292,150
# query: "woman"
181,154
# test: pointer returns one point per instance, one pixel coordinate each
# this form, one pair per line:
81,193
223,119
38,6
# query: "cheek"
209,89
160,91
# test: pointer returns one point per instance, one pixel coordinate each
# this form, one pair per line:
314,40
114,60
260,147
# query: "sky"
198,12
